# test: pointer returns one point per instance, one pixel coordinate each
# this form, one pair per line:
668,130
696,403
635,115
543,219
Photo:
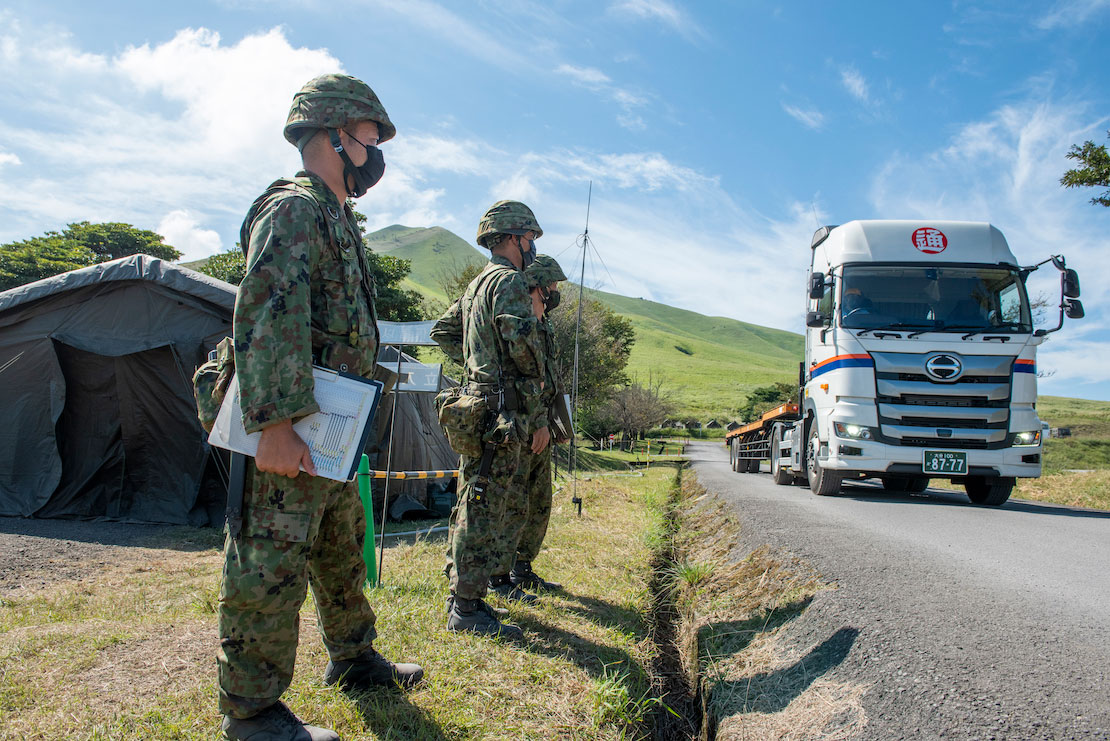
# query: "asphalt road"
973,622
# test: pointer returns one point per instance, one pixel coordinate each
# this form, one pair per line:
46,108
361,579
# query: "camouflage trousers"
535,474
482,535
297,533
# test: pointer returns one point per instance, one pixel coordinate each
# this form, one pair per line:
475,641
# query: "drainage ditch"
682,714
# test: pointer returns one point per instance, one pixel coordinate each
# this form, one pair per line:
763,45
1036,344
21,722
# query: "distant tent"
713,425
96,391
419,443
98,412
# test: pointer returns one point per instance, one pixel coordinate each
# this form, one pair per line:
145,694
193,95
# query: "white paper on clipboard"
336,434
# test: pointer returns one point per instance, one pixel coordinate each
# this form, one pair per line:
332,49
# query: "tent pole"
389,461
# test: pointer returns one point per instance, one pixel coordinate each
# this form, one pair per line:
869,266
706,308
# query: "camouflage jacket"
491,331
551,363
307,292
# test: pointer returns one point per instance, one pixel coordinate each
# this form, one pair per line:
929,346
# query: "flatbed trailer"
756,441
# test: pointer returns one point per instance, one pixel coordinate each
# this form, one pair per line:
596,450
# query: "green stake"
368,505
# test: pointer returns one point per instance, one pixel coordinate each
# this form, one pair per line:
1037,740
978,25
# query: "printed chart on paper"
335,435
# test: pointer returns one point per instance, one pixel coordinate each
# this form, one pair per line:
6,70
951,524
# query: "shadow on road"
866,492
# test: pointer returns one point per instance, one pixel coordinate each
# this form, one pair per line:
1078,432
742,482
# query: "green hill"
707,363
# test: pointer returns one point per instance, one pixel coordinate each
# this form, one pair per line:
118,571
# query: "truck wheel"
991,492
732,455
781,476
753,465
822,481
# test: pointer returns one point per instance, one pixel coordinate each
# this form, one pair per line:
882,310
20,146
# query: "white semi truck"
920,363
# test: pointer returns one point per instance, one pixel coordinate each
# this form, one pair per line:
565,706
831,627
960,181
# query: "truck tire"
822,481
781,476
732,455
753,465
991,492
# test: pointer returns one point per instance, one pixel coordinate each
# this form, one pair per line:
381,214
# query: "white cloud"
1070,13
182,231
663,11
7,158
811,119
191,124
585,75
597,81
855,84
1006,170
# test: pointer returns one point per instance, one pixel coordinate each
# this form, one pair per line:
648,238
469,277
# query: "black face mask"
551,299
527,256
365,176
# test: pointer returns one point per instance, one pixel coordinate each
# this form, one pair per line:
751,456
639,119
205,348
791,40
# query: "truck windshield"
950,298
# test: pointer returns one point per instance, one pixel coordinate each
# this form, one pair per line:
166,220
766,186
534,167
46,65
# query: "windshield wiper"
895,325
982,330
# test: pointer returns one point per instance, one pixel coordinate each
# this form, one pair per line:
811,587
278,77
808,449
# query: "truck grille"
972,412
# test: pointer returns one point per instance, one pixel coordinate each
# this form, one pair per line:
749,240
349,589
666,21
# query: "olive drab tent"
97,417
96,392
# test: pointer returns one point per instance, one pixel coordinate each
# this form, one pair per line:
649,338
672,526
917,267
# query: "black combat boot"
503,587
371,669
468,615
275,723
494,612
523,577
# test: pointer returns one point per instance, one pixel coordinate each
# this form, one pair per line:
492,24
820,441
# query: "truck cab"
920,359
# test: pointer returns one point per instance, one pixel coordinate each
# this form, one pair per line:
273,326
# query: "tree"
765,398
604,345
40,257
113,240
393,303
229,266
639,407
1095,171
77,246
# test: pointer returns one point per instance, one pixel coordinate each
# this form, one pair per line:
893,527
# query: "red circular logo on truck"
929,240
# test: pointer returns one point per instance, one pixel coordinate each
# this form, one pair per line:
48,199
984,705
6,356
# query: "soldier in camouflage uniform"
542,277
307,295
491,331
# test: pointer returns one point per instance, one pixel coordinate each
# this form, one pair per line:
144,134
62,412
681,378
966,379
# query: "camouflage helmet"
543,272
333,102
507,217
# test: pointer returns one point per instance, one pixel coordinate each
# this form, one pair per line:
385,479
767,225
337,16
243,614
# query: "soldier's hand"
540,439
282,451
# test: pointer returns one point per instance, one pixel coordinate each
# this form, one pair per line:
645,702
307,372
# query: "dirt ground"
37,553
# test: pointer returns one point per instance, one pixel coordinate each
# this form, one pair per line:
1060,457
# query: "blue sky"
717,135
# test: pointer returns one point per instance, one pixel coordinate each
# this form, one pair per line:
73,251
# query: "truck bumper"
877,458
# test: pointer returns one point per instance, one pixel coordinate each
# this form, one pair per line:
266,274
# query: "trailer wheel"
991,492
822,481
753,465
781,476
732,454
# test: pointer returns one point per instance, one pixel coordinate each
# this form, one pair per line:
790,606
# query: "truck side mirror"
1073,308
815,319
1070,280
816,285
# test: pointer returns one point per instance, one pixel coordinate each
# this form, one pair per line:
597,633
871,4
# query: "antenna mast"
575,499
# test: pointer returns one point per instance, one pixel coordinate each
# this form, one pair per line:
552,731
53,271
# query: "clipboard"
336,435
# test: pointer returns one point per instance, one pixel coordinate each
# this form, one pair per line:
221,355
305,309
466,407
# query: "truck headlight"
1028,438
852,432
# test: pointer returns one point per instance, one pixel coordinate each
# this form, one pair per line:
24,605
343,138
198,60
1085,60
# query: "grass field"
128,651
